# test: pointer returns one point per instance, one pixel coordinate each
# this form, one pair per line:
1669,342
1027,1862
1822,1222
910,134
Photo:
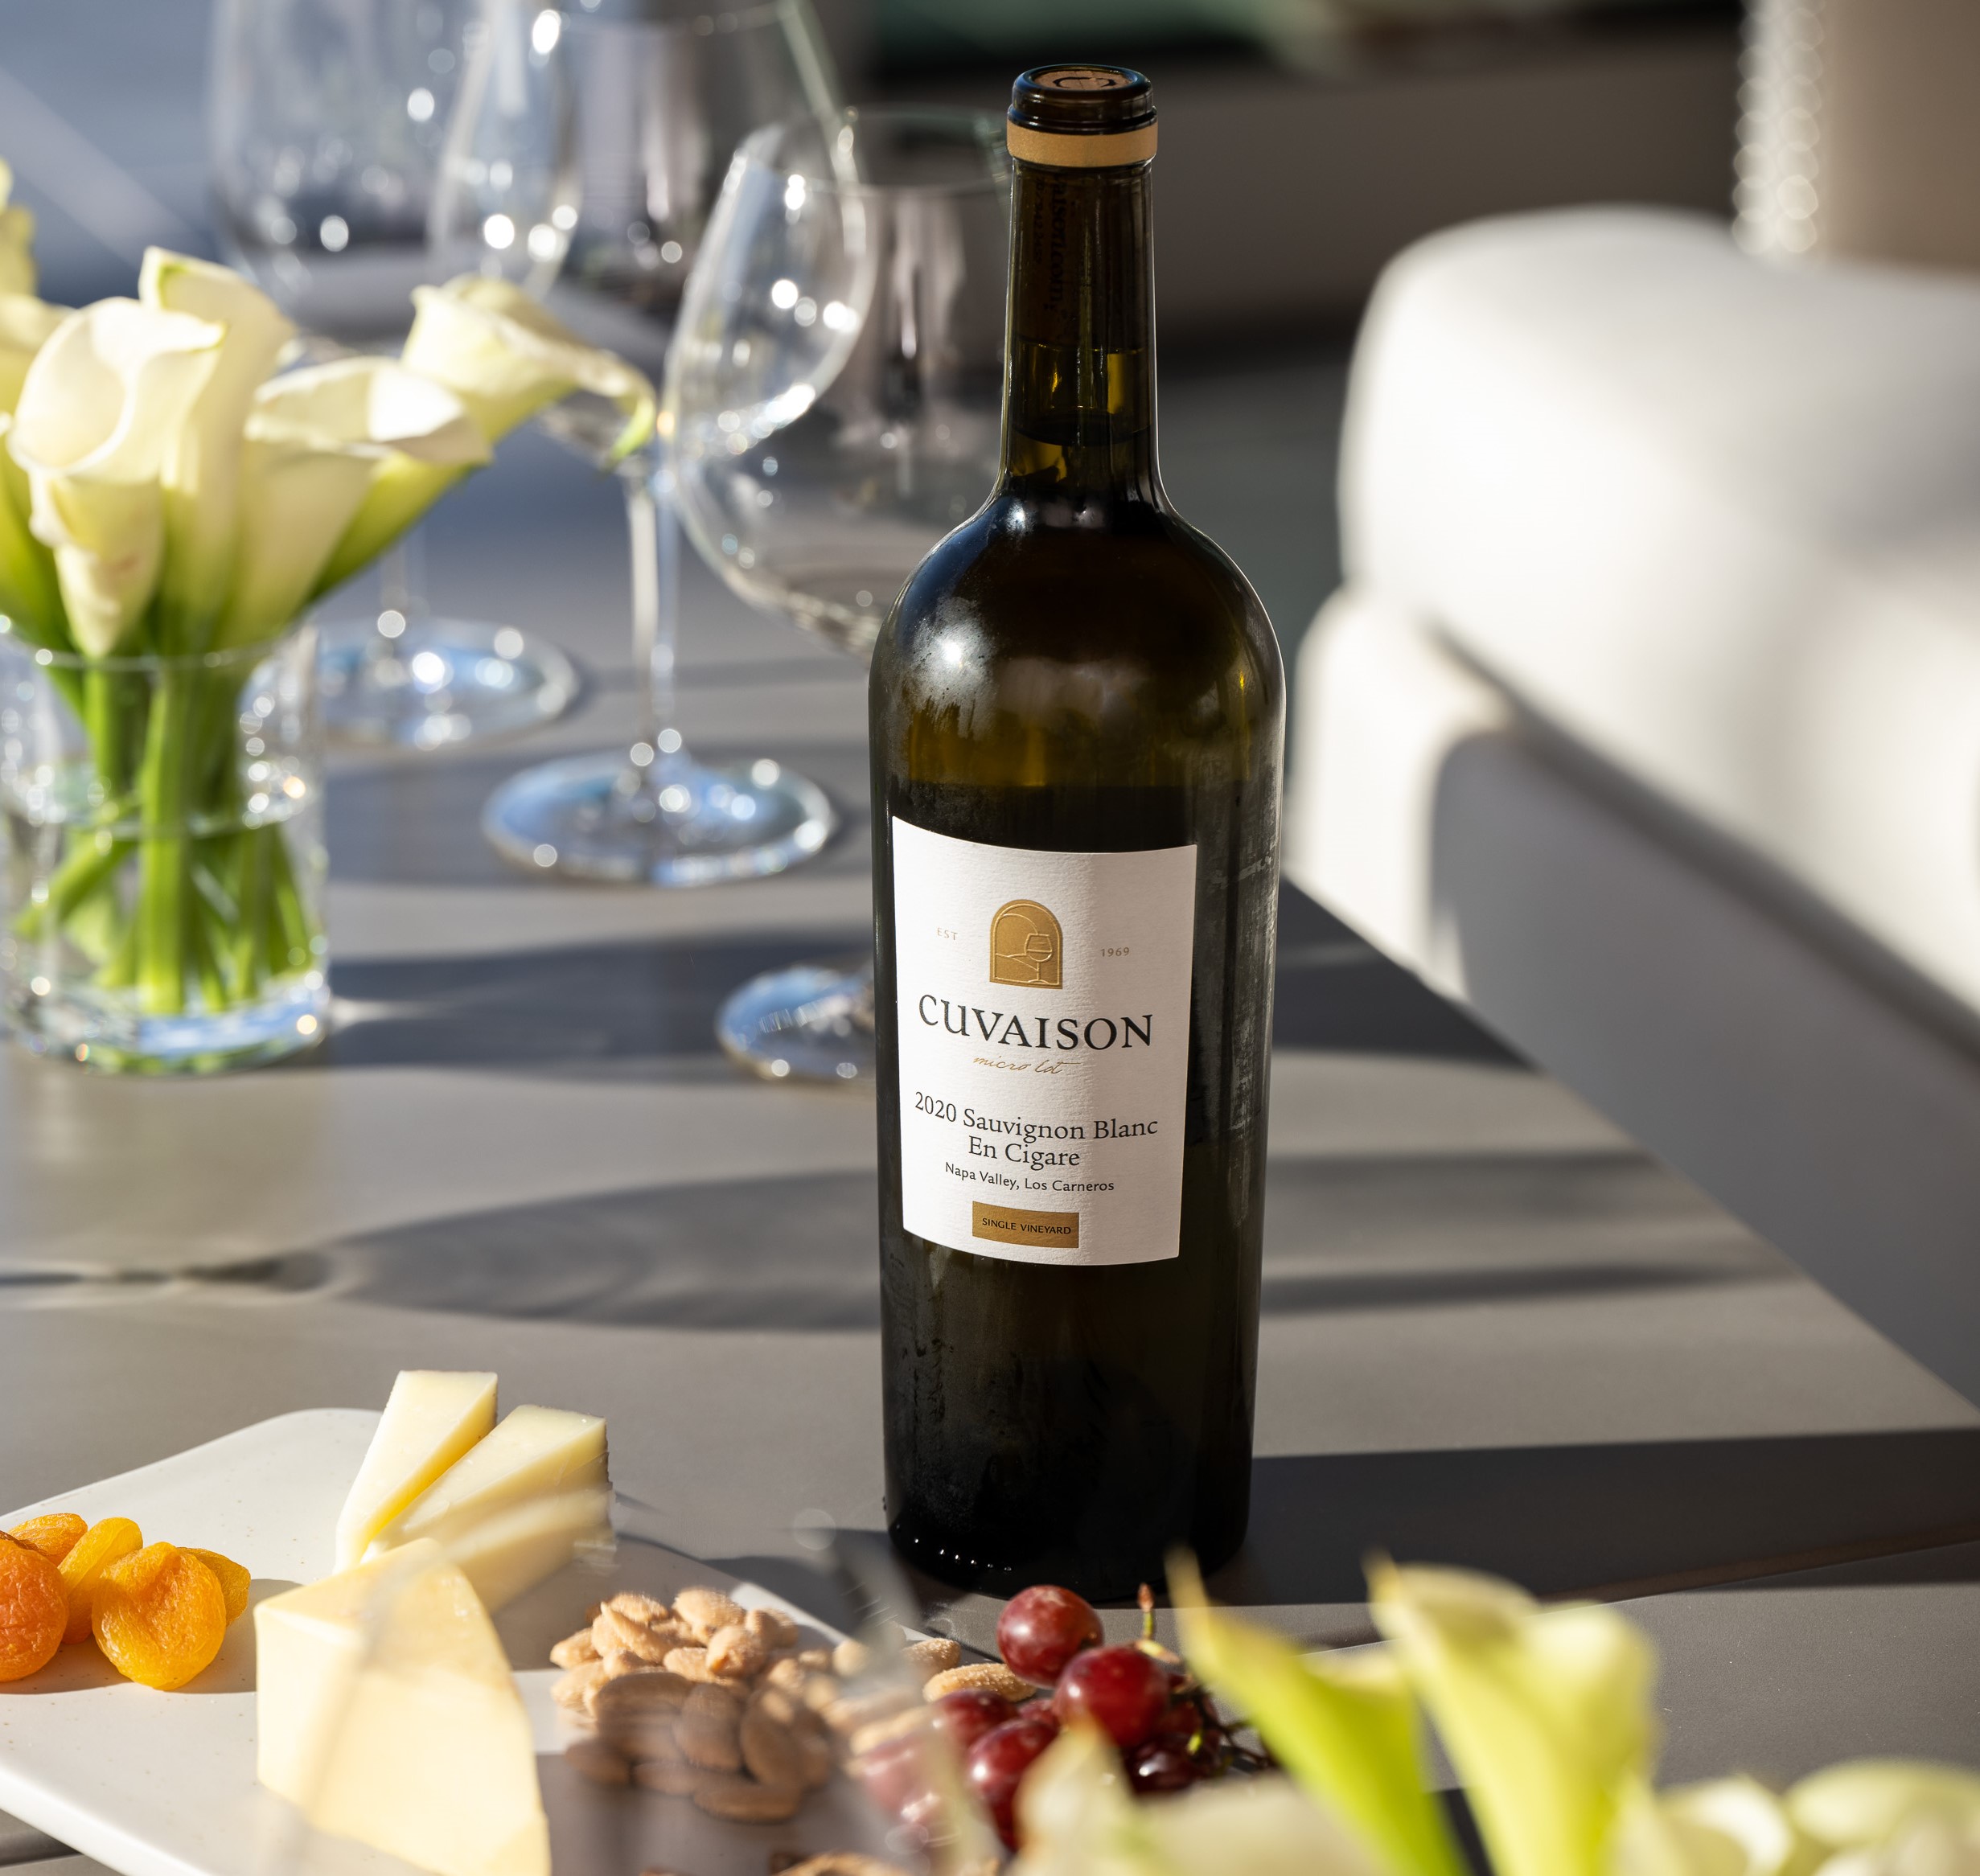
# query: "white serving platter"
163,1784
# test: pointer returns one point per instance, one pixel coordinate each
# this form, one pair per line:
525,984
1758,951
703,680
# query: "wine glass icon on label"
1027,946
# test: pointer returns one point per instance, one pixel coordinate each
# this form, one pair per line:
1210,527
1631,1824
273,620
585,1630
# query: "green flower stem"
252,939
297,929
178,902
120,971
204,963
93,857
100,719
164,868
73,685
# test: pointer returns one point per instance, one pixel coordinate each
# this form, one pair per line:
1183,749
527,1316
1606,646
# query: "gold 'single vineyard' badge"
1027,946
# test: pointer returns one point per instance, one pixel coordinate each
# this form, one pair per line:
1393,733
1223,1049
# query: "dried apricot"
54,1533
34,1611
160,1616
234,1579
102,1543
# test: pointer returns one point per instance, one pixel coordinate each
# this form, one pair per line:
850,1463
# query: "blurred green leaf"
1346,1728
1545,1712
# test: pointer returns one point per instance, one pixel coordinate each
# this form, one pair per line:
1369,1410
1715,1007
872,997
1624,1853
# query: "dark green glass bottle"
1077,712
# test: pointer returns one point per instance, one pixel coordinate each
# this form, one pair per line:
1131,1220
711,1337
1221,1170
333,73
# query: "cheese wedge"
517,1507
432,1420
386,1711
514,1549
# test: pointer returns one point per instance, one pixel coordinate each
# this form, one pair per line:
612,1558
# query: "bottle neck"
1079,369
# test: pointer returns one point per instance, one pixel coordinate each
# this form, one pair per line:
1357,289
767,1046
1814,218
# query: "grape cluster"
1138,1693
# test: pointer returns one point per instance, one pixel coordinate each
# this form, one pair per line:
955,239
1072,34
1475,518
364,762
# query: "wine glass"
664,93
330,133
835,393
503,1772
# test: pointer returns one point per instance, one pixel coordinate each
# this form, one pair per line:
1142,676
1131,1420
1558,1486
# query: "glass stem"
395,576
402,583
655,532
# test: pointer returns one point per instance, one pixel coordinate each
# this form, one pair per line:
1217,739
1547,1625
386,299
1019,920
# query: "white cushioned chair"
1648,722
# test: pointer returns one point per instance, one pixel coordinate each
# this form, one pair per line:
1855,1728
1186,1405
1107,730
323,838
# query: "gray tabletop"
1495,1332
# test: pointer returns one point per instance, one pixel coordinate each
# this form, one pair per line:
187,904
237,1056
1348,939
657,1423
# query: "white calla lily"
1076,1818
30,598
26,326
508,359
1258,1825
402,488
1743,1812
1649,1839
201,472
1723,1827
17,240
99,409
317,442
1930,1844
1865,1802
28,593
1545,1712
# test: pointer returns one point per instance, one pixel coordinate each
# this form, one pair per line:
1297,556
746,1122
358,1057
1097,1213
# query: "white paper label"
1043,1010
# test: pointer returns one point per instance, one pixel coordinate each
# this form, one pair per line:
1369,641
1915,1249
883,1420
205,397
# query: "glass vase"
161,856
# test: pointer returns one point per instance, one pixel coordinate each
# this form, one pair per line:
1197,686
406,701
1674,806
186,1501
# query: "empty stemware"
836,395
664,93
330,130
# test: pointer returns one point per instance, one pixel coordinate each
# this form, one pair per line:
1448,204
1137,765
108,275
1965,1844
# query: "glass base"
437,682
673,822
809,1023
109,1036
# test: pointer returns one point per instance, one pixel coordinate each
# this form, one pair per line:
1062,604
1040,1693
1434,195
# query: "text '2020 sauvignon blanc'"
1077,714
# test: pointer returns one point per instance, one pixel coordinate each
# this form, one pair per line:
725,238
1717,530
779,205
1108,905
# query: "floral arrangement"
1546,1715
169,495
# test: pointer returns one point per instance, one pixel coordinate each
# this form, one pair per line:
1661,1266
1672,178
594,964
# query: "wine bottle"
1077,713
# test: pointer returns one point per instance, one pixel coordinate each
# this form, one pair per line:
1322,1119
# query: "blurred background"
1305,140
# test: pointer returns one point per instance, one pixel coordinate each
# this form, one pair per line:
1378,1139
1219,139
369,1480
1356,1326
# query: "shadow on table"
417,821
1606,1519
645,1009
796,1253
639,1009
1336,991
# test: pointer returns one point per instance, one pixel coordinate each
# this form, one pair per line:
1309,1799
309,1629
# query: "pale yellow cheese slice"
432,1419
514,1549
491,1512
386,1711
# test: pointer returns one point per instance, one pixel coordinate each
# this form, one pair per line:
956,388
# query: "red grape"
966,1714
894,1776
1183,1720
1120,1688
1042,1629
1039,1707
1160,1765
996,1763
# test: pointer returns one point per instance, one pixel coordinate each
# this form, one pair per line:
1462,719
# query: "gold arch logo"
1027,946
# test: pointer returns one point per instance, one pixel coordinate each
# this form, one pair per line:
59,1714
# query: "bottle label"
1043,1012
